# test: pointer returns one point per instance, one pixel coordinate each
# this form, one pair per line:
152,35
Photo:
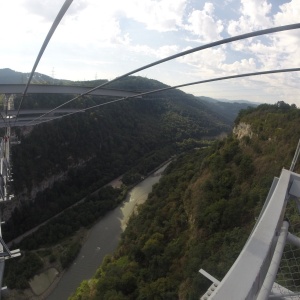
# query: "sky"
105,39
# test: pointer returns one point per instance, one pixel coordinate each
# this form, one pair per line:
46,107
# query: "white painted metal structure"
5,177
62,89
253,273
8,117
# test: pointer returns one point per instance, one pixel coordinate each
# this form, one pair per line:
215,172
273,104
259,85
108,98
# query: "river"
103,239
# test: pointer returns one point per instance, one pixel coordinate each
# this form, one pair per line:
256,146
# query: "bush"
68,256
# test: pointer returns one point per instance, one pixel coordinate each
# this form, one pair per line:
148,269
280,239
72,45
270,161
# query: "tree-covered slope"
201,212
60,162
228,110
129,128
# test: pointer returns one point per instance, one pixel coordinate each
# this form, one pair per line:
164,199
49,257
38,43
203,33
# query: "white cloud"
268,56
205,63
167,50
159,15
160,52
288,42
203,23
48,9
240,67
255,14
95,26
274,51
289,13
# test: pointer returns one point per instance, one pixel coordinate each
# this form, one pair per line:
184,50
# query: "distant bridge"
62,89
8,117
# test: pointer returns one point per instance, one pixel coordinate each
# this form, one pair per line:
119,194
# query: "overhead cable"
57,20
199,48
179,86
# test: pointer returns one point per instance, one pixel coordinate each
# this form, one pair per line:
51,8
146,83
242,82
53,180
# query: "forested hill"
8,76
225,108
201,213
118,133
60,162
65,161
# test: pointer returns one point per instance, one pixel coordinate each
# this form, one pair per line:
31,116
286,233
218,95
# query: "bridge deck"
245,278
62,89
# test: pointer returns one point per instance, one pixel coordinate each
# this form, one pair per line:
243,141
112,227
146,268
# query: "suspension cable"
57,20
199,48
178,86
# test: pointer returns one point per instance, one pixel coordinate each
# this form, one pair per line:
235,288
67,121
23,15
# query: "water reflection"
103,239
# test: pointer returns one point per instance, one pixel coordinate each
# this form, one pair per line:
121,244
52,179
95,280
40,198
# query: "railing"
5,178
253,274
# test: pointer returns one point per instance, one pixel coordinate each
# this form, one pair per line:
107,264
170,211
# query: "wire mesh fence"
288,276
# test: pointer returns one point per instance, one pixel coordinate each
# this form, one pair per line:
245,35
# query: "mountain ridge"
9,76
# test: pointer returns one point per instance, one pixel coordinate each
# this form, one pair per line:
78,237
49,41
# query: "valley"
105,144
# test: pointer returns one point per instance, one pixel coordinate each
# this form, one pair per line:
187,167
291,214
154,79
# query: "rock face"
27,195
46,183
24,196
242,130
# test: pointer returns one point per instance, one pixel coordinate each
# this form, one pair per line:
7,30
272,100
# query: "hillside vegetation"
62,162
201,212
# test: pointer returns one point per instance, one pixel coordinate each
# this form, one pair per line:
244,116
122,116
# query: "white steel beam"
245,278
272,272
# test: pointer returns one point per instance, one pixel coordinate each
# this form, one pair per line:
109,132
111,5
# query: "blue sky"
105,39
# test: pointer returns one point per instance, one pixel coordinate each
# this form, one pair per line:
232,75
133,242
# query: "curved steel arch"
61,89
56,22
178,86
206,46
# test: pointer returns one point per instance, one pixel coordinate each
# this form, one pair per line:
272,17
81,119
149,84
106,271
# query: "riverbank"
116,183
103,238
98,241
41,282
